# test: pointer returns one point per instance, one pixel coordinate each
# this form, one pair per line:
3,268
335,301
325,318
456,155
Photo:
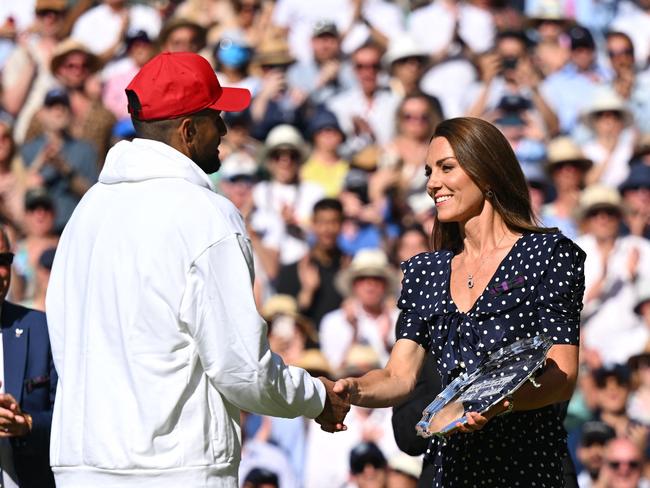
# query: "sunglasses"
607,212
358,466
622,52
410,59
633,464
77,66
601,382
369,66
414,116
567,164
608,113
250,7
293,155
277,67
48,11
6,258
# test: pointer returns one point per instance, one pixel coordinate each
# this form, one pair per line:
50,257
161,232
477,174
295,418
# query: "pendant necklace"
470,276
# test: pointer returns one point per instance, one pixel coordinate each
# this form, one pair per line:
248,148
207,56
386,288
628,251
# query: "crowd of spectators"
326,168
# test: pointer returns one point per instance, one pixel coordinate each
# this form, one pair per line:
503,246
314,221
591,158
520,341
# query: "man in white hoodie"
152,320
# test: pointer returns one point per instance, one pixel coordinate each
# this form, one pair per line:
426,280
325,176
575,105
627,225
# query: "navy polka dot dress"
537,289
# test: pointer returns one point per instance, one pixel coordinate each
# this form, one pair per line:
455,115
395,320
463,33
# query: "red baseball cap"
175,84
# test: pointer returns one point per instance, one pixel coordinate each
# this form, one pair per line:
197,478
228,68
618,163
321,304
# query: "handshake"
337,405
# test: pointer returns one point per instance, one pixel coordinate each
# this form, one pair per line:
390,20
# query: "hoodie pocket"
222,433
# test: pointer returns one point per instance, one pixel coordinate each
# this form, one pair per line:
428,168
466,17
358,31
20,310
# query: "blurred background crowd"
326,167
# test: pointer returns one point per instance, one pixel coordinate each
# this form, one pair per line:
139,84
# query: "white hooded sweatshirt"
155,334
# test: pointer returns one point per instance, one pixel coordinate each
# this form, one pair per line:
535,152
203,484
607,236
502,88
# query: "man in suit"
27,386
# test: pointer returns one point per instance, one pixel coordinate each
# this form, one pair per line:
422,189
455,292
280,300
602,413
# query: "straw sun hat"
367,263
69,46
562,150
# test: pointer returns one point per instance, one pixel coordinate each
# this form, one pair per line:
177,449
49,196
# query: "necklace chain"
470,276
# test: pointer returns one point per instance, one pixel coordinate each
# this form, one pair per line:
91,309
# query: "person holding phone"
456,306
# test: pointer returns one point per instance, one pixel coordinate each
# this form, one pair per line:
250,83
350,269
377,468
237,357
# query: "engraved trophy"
497,377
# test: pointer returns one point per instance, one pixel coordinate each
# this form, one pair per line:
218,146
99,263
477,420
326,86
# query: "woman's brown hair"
486,156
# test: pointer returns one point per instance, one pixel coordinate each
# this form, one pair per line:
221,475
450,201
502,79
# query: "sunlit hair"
485,155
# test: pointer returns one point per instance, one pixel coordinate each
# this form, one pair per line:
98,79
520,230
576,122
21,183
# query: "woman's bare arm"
388,386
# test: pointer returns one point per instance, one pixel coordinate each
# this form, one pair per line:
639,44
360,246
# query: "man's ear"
187,131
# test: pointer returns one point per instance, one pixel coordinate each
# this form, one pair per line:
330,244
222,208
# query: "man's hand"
337,405
13,421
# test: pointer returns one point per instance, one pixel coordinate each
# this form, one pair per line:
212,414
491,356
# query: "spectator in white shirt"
612,267
368,313
444,24
103,27
363,112
612,141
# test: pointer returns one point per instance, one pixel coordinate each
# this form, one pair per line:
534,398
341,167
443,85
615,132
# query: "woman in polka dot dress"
494,278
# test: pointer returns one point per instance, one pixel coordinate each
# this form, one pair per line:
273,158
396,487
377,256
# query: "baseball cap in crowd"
240,119
172,85
56,96
595,432
364,454
638,178
323,119
137,36
535,176
46,259
581,38
262,476
618,371
325,28
237,170
38,198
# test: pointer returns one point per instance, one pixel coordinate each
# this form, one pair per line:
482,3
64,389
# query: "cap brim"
232,100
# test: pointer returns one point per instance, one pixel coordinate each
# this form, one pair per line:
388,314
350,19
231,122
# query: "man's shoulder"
27,317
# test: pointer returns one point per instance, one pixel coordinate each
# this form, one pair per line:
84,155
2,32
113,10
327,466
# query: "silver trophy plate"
498,376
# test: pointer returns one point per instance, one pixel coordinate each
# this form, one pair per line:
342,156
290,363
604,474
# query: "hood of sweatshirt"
145,159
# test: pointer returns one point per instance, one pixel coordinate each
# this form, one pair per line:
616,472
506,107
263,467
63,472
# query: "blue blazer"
31,378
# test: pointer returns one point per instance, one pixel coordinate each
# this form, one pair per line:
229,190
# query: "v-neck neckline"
489,283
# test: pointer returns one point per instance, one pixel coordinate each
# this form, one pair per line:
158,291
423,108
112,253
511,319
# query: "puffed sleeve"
560,292
410,324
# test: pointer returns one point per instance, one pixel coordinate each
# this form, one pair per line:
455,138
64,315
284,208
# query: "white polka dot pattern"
537,289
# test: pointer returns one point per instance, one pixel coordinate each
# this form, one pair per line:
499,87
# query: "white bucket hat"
606,100
403,47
